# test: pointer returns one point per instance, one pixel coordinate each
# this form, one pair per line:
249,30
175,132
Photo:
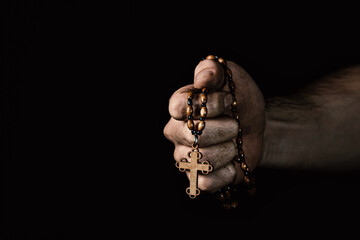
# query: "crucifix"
194,167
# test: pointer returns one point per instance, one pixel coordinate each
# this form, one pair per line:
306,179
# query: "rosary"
224,195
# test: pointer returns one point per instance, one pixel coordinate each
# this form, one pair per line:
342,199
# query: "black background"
86,91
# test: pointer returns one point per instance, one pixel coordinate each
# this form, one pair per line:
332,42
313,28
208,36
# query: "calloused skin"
317,128
217,140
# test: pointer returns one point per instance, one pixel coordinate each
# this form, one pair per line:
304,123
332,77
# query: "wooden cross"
194,167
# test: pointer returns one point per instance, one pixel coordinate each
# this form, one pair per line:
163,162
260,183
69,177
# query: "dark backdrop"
86,91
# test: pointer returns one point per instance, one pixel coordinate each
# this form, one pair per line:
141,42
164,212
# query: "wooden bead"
203,112
221,60
228,194
228,72
246,179
234,204
241,154
190,95
239,140
231,85
243,166
190,124
203,98
189,110
221,197
236,116
210,57
201,125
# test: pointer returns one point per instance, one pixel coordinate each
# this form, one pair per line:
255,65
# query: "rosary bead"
247,179
236,116
239,140
190,95
221,60
234,204
189,110
203,98
210,57
190,124
243,166
241,155
221,197
201,125
231,85
189,101
203,112
204,91
228,72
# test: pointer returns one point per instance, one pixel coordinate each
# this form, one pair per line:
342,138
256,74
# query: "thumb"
209,74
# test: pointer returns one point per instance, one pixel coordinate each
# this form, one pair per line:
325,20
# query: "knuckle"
229,173
216,106
180,152
204,183
167,131
176,132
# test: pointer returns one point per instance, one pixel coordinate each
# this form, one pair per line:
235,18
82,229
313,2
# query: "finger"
217,103
217,179
217,155
221,129
209,74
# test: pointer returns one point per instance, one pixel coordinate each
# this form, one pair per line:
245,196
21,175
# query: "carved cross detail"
194,167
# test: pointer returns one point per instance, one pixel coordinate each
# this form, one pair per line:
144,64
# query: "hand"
217,142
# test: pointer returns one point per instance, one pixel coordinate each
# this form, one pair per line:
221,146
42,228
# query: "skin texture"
217,141
315,129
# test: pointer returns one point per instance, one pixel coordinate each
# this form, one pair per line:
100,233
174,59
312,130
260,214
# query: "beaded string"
225,195
196,130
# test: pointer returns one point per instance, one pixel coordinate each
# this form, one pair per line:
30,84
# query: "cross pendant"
194,167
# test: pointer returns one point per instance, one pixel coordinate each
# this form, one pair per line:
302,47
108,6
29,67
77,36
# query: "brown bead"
203,112
241,153
221,197
239,140
243,166
190,124
190,95
228,194
189,110
231,85
228,72
201,125
236,116
210,57
221,60
234,204
203,98
246,179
